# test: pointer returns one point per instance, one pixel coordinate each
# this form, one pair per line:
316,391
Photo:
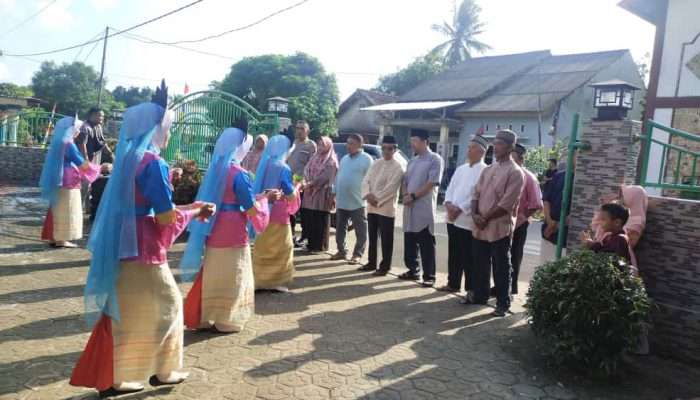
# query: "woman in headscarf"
223,296
252,158
273,255
636,200
319,176
130,287
61,176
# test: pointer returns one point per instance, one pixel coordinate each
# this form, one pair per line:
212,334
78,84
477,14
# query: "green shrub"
586,310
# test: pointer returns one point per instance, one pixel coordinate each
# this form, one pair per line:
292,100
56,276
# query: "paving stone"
328,380
528,391
337,335
559,392
429,385
274,392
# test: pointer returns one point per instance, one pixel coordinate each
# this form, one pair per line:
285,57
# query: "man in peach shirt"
494,210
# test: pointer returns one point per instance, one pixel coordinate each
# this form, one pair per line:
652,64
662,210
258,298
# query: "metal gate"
199,119
31,127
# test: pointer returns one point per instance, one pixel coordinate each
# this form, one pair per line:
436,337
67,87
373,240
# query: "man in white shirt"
380,189
460,224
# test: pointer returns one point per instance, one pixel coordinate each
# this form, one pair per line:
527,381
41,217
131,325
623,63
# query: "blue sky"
358,40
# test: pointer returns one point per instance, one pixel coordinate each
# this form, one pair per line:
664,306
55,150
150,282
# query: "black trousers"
516,254
422,241
317,229
301,218
298,217
380,227
459,257
492,256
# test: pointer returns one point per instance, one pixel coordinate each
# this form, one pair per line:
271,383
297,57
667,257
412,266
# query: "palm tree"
461,35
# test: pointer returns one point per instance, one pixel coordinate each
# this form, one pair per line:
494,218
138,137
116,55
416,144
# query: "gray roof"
542,86
474,78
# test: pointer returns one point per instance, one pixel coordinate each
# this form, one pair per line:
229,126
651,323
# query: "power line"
244,27
146,40
29,18
80,51
108,36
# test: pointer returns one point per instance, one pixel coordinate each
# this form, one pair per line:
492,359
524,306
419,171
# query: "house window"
487,127
455,150
510,127
522,128
498,127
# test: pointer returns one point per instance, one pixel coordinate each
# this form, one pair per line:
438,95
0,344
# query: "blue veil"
52,171
211,190
113,235
271,164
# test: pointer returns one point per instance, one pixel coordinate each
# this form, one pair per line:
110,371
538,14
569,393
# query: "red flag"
187,88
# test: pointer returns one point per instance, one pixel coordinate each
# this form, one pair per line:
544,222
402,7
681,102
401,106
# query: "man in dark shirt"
552,199
91,140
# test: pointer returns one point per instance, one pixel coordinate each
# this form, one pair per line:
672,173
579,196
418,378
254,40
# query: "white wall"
528,137
682,25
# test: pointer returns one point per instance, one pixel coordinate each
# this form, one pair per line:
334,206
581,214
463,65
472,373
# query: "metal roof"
541,87
426,105
473,78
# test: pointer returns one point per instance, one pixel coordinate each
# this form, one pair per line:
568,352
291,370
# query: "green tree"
133,95
461,34
312,92
72,87
8,89
421,69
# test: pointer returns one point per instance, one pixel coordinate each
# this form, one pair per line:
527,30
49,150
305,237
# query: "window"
455,150
487,127
510,127
498,127
522,128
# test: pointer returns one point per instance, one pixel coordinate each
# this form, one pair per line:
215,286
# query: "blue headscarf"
268,175
52,171
229,148
113,235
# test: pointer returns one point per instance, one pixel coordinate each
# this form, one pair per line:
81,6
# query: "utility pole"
102,70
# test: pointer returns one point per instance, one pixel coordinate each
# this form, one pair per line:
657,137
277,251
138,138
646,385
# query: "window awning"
426,105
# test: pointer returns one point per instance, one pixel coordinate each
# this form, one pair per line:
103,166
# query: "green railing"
199,119
678,169
32,127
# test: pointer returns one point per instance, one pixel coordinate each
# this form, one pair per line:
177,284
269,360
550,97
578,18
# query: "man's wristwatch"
413,196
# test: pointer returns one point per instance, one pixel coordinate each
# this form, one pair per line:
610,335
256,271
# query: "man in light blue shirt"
348,199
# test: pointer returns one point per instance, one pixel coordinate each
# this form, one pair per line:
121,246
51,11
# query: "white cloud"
58,17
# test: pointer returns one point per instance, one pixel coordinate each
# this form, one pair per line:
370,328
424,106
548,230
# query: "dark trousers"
496,256
422,241
318,229
459,257
380,227
516,254
300,218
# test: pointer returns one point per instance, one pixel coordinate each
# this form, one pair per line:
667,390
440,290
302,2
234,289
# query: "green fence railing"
199,119
32,127
678,168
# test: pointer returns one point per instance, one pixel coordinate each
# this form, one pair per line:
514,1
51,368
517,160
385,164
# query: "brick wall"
21,164
611,161
668,251
670,267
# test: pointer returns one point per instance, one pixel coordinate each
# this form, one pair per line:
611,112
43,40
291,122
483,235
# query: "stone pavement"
339,334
